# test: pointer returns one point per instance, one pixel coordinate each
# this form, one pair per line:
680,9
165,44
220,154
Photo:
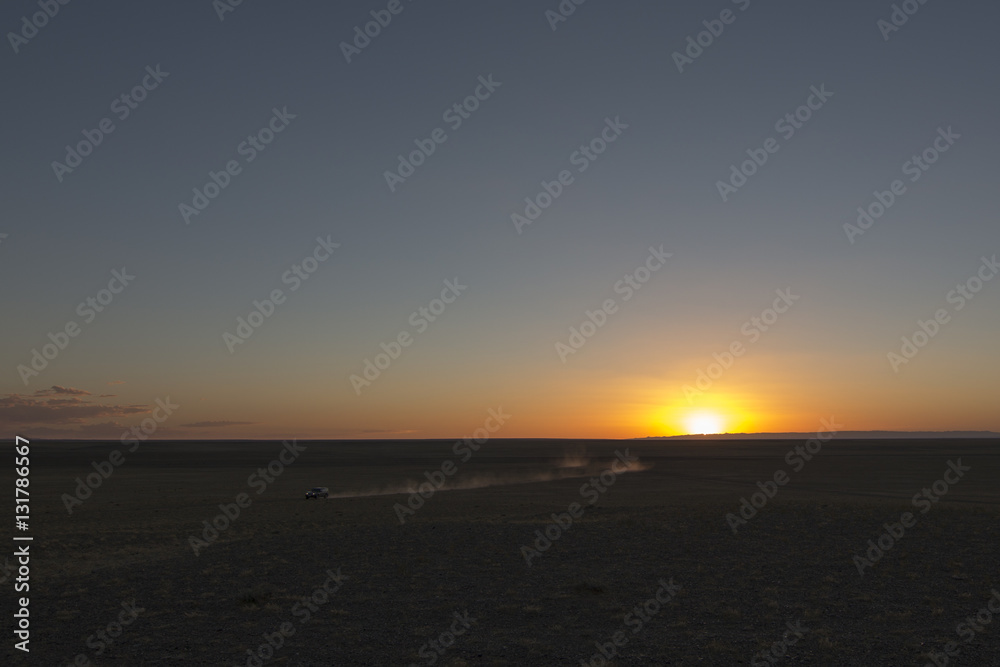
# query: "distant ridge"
859,435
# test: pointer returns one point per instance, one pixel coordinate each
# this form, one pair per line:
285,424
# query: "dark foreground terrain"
118,581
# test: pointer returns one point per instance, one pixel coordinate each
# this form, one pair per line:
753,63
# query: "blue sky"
657,184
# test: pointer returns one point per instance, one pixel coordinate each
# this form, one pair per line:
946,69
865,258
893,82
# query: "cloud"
58,402
56,389
22,410
382,430
216,424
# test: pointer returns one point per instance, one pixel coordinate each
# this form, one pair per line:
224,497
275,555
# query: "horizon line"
850,435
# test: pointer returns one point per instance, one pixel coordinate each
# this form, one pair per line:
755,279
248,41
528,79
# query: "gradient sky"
495,346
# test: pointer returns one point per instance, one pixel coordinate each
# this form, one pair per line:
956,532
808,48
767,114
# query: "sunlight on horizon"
704,423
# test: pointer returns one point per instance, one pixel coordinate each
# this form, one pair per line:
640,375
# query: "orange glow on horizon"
722,413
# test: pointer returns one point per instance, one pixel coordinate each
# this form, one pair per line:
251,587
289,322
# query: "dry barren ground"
457,563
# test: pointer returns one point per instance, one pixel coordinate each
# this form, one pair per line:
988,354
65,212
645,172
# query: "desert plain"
532,552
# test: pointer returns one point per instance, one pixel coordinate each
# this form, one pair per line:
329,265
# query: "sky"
619,219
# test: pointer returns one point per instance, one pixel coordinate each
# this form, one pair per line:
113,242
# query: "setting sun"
701,423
